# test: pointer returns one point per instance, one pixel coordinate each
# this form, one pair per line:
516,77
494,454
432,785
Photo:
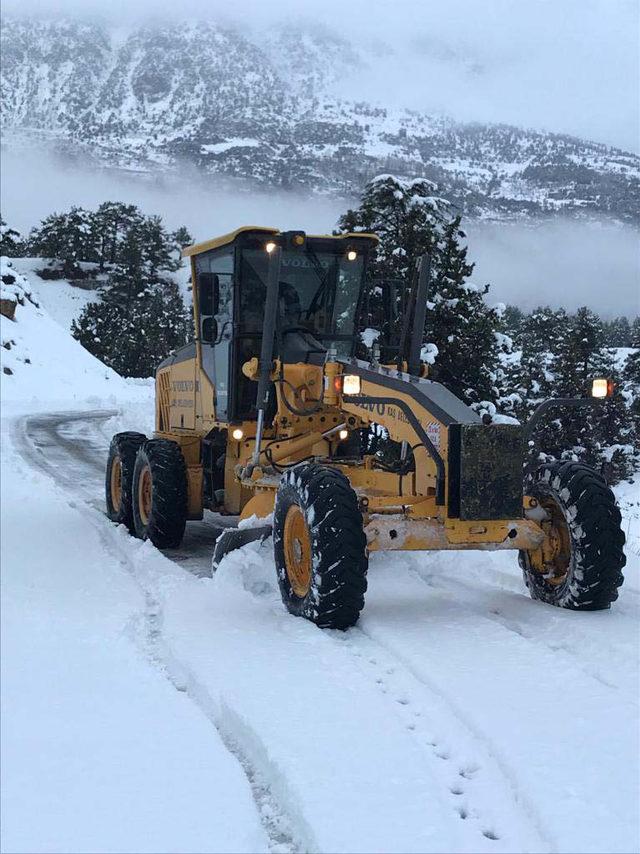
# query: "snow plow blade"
234,538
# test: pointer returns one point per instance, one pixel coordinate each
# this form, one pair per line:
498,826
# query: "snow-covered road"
458,715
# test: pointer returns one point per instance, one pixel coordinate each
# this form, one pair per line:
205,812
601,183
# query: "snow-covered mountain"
266,110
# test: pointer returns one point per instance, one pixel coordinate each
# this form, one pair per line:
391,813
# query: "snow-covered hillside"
149,707
41,362
266,110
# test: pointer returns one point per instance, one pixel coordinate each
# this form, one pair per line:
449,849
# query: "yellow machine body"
312,415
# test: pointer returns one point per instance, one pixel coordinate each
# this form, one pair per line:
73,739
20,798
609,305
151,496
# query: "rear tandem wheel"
119,477
160,493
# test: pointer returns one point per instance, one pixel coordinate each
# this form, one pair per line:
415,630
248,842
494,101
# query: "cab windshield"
318,292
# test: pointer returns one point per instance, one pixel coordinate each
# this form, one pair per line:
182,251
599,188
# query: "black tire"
338,547
122,456
592,519
163,521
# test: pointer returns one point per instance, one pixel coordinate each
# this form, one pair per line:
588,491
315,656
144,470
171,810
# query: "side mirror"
209,330
208,293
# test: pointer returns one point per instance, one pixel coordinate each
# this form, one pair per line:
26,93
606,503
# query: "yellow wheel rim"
297,551
554,555
115,482
145,494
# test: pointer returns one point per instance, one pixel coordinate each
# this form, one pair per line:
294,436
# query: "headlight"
351,384
602,387
237,434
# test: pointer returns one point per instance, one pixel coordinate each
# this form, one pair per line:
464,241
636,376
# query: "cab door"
214,272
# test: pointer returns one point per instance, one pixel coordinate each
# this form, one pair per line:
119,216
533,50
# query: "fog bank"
559,262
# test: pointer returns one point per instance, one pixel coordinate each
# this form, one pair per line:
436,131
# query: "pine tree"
141,316
512,320
109,224
602,435
410,220
11,243
132,338
66,237
532,374
181,237
617,332
461,324
157,247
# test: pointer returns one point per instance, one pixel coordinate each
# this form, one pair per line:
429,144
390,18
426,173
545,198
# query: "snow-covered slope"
266,110
61,299
40,360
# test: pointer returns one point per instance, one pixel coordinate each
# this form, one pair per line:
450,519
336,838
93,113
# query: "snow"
235,142
149,707
100,751
41,362
63,301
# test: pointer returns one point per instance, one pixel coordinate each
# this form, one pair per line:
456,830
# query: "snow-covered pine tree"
109,223
512,319
617,332
181,237
11,243
141,316
537,340
602,436
133,338
410,219
65,237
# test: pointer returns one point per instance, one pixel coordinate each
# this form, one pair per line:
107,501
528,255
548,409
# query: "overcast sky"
563,65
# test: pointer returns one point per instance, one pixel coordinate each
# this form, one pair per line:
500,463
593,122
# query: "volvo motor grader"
263,417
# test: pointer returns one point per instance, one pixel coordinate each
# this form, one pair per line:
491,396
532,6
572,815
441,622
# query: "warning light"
602,387
351,384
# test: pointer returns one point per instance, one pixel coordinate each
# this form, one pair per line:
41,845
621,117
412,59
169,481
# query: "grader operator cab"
263,415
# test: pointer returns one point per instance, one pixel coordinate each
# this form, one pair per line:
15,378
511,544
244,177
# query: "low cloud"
560,262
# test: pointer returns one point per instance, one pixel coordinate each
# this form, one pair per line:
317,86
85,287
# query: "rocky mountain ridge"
263,111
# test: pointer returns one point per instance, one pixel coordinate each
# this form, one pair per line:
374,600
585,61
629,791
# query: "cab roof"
225,239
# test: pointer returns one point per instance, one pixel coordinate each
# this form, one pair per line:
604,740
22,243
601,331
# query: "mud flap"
234,538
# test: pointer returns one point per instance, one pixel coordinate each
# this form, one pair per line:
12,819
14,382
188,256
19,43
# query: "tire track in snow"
273,817
278,826
481,792
494,614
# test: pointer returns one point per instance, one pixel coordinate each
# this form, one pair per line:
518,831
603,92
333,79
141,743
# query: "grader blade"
233,538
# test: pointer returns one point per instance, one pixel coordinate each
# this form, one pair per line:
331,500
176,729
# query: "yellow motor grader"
263,415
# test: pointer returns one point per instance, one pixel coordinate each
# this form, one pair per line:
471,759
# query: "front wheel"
160,493
319,546
579,564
